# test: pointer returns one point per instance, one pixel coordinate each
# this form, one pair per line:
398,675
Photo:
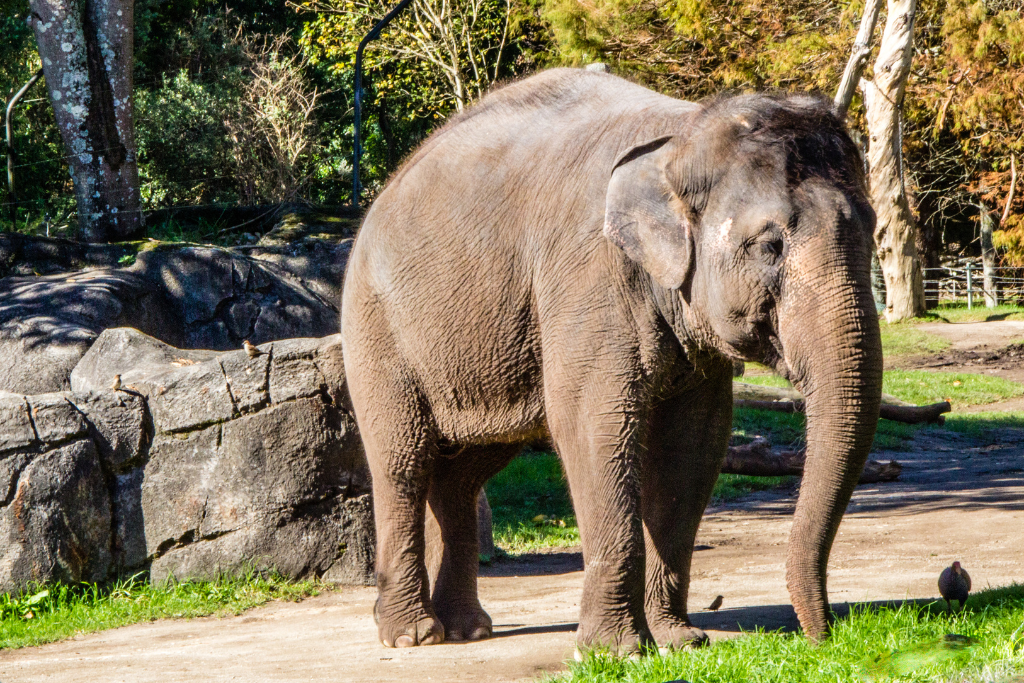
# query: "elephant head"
754,224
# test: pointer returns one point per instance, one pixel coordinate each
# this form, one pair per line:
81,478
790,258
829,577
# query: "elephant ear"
645,218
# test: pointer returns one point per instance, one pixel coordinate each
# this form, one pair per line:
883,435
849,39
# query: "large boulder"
56,451
189,297
201,463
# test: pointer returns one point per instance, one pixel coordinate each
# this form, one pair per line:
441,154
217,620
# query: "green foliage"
56,611
959,388
185,156
432,60
910,642
232,119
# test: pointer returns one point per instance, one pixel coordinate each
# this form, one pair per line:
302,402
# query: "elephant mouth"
758,343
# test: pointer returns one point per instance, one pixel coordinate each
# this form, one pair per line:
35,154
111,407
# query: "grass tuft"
961,314
904,339
959,388
908,642
53,612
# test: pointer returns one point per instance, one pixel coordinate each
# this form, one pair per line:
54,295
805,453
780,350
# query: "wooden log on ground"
756,459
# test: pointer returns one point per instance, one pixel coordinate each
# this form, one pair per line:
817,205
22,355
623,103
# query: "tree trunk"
988,256
883,99
86,48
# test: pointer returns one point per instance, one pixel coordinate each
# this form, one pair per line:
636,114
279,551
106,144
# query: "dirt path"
974,335
957,500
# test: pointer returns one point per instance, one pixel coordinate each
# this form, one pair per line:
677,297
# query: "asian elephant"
580,259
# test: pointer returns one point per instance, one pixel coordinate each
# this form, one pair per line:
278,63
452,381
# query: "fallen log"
907,414
756,459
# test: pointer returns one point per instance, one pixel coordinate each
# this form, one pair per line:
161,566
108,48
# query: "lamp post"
356,147
10,142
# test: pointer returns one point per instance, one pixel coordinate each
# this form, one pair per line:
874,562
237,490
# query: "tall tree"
87,50
895,231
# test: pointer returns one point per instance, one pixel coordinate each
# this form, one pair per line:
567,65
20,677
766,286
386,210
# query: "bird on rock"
715,604
250,349
954,584
116,384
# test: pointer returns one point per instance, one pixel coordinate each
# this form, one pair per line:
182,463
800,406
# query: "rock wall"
200,463
189,297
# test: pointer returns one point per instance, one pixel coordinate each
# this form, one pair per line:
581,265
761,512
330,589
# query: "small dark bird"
954,584
250,349
116,384
715,604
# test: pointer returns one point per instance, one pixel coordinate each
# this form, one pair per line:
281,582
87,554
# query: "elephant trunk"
836,362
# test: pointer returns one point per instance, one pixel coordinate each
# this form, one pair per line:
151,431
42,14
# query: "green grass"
984,426
787,430
923,386
765,380
960,314
904,339
54,612
959,388
905,643
531,507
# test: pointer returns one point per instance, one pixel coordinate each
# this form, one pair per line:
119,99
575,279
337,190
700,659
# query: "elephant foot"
408,632
466,624
618,642
678,635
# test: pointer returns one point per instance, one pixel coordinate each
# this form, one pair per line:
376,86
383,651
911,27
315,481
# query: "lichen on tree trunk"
87,51
895,230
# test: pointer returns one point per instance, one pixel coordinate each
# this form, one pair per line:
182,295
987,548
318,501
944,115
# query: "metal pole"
10,142
970,293
356,150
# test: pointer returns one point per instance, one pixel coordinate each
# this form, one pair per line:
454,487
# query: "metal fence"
968,284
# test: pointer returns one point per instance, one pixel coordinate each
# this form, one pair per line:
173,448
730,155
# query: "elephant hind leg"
400,454
688,438
453,537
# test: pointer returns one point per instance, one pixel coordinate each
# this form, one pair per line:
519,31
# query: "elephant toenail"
481,633
404,641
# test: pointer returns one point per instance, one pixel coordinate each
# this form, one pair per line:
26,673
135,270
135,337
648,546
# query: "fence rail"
969,284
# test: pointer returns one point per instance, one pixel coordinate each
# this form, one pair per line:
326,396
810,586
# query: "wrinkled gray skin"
578,258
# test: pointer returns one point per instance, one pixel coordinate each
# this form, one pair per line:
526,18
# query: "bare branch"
858,57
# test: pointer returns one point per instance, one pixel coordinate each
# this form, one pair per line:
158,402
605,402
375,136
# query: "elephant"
579,259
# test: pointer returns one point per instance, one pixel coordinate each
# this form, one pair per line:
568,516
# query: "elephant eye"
772,248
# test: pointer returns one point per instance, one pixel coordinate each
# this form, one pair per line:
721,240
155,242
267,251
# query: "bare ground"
958,499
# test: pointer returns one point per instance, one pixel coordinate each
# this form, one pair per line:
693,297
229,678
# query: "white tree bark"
87,50
883,99
988,256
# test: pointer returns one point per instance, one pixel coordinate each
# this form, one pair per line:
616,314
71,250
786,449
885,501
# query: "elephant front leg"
599,455
688,440
453,545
